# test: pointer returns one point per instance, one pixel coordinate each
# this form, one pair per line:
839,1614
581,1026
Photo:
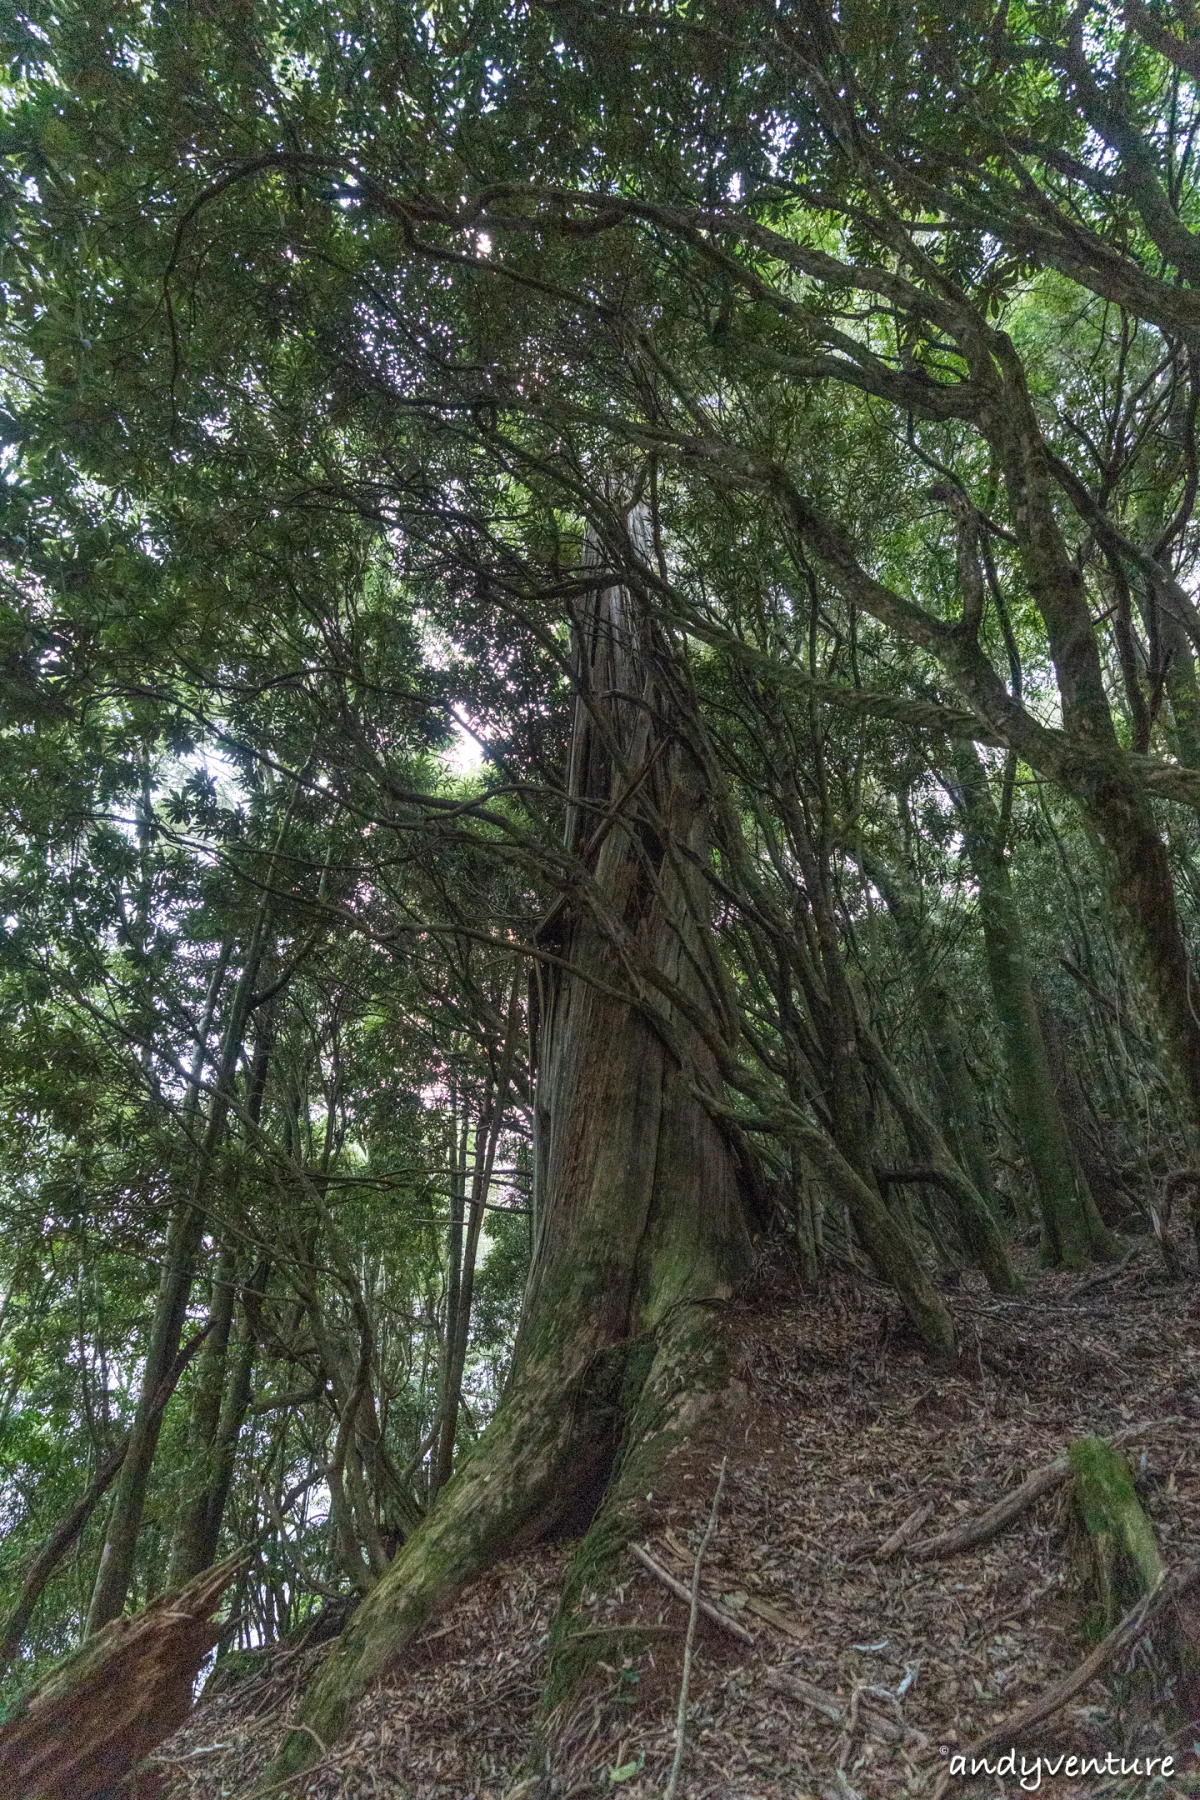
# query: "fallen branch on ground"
864,1707
782,1621
678,1588
904,1532
1042,1481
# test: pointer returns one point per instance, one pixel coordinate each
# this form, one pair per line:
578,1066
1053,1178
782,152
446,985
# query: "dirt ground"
866,1675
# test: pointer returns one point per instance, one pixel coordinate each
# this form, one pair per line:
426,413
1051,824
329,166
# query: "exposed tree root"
686,1387
544,1443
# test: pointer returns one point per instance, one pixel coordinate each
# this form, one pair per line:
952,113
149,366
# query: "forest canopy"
598,682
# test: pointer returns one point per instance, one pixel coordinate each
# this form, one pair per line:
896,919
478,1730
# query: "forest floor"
842,1431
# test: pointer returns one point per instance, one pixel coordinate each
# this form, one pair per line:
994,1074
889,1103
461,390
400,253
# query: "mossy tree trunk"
939,1018
1125,1549
640,1223
1072,1229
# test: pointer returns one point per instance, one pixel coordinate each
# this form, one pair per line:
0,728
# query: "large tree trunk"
640,1223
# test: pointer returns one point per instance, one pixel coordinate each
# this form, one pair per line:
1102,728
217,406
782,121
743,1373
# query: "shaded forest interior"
599,770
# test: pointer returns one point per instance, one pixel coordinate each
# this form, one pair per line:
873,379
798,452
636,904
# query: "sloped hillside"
845,1671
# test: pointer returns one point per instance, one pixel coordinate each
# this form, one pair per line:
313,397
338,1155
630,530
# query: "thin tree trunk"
1183,693
183,1241
1101,782
203,1422
977,1224
52,1552
964,1126
1071,1226
443,1454
235,1403
485,1157
223,1386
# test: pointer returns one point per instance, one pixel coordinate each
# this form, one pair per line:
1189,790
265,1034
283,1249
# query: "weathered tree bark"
1072,1228
640,1223
122,1692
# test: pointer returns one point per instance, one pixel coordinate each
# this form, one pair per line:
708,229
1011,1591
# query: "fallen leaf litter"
866,1670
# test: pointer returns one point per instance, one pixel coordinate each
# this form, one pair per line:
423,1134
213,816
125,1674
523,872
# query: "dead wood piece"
863,1710
904,1532
96,1716
775,1615
1042,1481
1169,1592
678,1588
782,1681
990,1523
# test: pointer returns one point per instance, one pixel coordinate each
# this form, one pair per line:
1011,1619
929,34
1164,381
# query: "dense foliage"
347,351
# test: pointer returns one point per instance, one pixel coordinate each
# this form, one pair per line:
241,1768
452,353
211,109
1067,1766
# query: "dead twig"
690,1640
715,1613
